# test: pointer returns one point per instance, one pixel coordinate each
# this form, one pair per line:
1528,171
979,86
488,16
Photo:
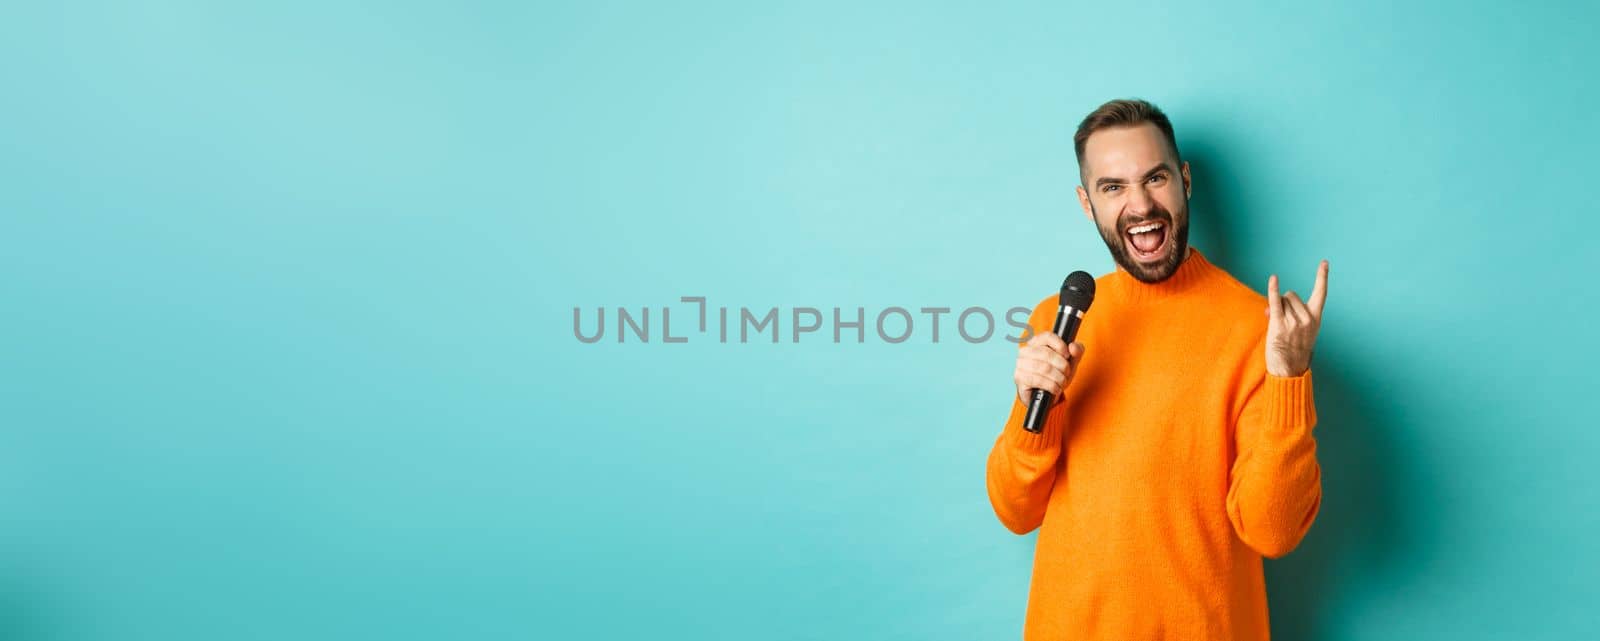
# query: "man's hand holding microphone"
1045,362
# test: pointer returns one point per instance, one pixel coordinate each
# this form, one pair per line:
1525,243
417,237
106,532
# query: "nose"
1139,201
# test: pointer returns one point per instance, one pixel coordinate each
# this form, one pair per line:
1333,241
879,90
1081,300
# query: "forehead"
1125,152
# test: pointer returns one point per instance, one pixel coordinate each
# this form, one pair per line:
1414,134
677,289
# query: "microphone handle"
1067,322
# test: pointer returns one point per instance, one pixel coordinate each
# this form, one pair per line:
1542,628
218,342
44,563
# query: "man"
1179,449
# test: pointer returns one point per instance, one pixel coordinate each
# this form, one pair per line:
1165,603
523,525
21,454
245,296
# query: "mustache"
1155,215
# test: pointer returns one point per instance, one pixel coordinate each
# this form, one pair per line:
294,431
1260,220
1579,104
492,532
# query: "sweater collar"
1190,272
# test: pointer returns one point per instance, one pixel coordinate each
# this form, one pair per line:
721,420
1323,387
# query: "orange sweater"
1170,465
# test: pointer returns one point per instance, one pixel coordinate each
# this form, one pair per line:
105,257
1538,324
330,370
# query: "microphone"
1077,292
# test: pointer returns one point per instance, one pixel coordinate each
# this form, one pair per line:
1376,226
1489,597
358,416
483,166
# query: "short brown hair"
1123,113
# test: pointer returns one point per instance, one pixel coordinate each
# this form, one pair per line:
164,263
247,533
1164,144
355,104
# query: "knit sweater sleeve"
1022,465
1275,485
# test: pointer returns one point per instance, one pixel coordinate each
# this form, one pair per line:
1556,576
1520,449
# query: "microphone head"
1077,291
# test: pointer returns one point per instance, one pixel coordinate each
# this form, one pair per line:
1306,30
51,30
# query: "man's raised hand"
1292,325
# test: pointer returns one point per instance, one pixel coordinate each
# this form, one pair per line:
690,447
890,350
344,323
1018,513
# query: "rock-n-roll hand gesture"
1292,325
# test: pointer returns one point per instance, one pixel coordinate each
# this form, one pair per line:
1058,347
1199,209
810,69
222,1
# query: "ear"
1187,185
1083,201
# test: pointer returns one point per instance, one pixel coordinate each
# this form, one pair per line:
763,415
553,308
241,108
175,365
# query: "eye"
1157,179
1109,188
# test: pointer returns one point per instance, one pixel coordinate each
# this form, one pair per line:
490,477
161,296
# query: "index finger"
1319,292
1051,341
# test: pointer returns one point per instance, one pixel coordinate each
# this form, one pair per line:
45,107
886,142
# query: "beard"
1178,238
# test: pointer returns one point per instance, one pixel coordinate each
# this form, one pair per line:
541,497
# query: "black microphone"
1077,292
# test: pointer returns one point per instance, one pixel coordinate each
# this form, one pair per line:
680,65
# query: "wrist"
1284,372
1289,366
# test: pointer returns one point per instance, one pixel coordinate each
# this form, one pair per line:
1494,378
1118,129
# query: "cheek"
1172,200
1107,211
1108,228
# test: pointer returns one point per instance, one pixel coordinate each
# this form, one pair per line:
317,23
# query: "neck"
1193,268
1186,252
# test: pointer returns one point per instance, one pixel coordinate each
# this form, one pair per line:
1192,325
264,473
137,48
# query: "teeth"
1144,228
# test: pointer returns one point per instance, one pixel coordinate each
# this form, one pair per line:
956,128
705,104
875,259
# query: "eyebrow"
1104,180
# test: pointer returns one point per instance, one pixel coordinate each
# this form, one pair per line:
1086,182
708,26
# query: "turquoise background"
288,293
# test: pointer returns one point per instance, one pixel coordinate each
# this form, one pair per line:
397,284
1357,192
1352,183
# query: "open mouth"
1147,242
